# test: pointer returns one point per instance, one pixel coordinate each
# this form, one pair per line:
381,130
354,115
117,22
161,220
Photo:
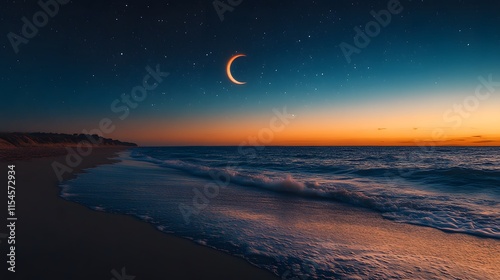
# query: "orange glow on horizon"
376,124
233,132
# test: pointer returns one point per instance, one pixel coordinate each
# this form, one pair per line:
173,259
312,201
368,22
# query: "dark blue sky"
65,78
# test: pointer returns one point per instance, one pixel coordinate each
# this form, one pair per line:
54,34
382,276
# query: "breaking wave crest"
402,204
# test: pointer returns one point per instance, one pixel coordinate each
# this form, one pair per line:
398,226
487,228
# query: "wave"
401,204
454,177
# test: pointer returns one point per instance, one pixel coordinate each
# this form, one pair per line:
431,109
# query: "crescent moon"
228,69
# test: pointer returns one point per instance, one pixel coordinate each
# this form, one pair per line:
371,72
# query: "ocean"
279,207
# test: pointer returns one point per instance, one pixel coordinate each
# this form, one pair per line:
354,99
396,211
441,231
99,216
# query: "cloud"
456,140
485,141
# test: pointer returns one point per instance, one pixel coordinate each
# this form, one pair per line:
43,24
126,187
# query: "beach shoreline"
59,239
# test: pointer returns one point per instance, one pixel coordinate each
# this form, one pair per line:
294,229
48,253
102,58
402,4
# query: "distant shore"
14,140
58,239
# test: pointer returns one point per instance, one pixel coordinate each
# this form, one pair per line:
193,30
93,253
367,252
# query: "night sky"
395,91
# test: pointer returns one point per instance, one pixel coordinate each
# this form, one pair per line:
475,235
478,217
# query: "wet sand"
58,239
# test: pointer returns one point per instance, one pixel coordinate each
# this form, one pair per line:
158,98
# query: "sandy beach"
225,139
58,239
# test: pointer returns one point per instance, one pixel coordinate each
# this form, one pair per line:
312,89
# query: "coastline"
59,239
